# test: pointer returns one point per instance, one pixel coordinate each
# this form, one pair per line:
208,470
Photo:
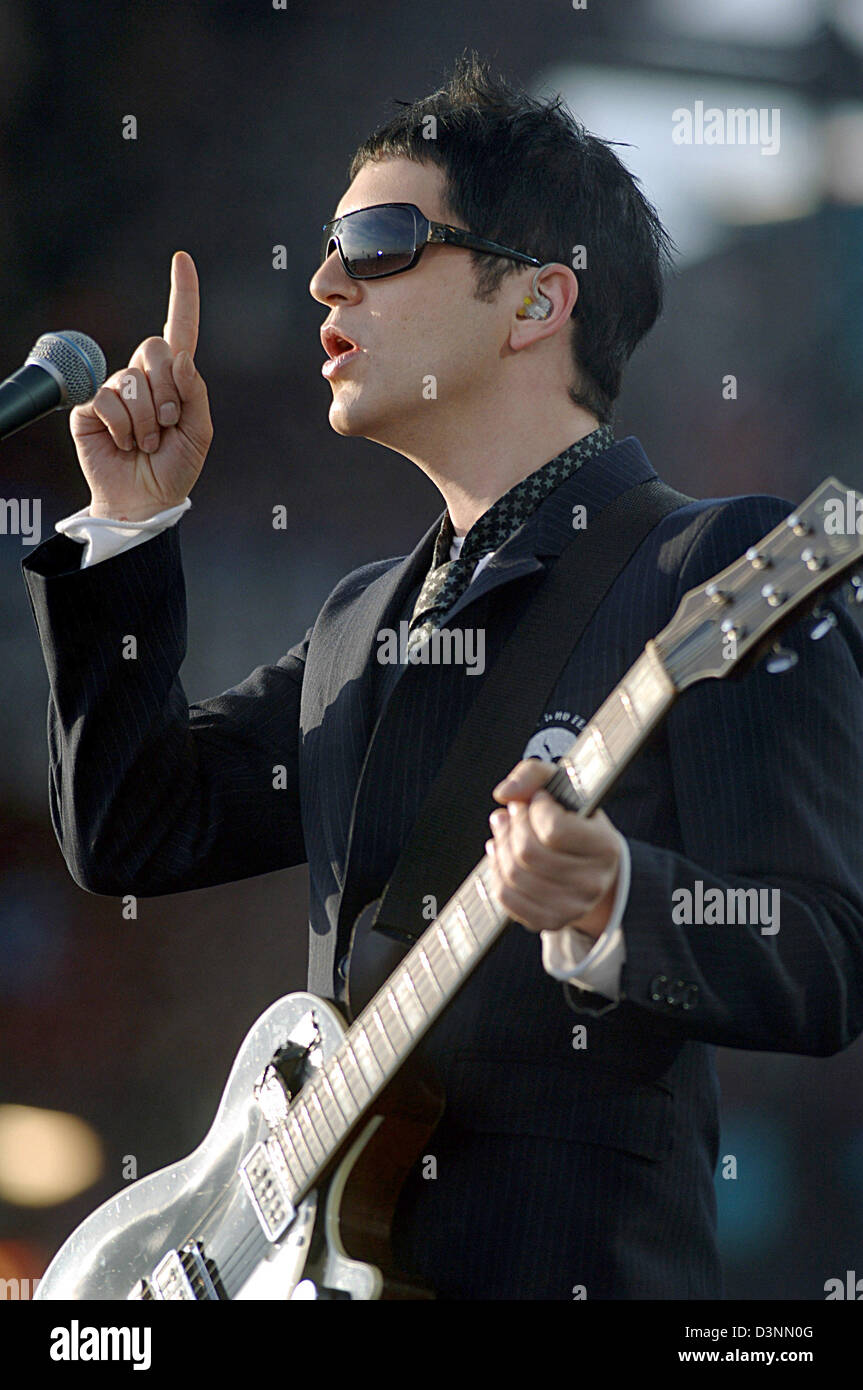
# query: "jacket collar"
549,529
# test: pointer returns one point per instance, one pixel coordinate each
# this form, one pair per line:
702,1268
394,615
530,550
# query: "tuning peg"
780,659
824,623
855,594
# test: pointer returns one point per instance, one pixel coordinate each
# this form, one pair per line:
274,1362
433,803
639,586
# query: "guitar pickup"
268,1191
181,1275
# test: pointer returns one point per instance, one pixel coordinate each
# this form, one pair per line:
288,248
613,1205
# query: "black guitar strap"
452,827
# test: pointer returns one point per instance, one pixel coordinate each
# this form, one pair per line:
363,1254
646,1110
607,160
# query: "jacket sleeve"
767,781
148,794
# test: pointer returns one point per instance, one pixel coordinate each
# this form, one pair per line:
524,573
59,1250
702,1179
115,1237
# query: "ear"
558,284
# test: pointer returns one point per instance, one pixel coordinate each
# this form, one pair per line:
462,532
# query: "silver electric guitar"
291,1194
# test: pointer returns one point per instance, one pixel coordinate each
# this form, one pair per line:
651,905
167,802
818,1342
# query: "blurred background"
116,1035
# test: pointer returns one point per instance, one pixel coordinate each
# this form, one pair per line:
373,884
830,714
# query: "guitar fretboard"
587,772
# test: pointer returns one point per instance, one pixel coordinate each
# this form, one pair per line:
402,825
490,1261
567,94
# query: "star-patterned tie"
447,579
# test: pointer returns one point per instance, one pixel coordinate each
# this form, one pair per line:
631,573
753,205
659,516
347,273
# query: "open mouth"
337,344
341,350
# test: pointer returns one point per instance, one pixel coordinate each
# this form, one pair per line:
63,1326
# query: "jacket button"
690,996
657,987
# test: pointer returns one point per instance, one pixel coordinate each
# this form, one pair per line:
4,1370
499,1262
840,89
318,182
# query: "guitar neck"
437,965
620,727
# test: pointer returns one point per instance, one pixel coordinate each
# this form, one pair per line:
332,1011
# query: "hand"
552,868
142,439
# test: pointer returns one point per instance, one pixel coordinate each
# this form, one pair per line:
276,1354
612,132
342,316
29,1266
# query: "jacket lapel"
346,655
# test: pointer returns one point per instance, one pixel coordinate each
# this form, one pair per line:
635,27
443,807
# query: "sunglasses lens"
377,241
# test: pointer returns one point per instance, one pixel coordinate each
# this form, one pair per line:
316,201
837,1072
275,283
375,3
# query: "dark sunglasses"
390,237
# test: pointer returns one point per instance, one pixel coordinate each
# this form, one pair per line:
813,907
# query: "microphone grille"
79,360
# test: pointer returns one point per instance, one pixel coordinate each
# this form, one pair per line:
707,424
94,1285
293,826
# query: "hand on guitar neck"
553,868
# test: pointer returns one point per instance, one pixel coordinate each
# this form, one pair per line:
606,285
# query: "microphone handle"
30,393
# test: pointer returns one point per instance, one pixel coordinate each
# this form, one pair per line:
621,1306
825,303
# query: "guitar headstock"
730,620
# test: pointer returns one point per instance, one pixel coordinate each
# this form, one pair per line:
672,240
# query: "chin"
348,419
346,411
341,420
340,425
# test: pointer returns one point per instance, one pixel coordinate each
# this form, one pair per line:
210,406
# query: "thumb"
195,416
185,374
525,779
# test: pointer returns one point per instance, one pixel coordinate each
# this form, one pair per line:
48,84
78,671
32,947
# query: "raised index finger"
184,305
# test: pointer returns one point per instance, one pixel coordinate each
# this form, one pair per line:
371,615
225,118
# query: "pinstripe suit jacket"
559,1168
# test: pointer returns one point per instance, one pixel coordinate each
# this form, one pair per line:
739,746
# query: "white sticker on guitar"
555,737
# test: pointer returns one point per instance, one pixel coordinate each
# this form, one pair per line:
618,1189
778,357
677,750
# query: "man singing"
486,275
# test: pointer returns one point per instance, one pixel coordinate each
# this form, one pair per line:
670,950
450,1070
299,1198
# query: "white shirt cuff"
105,537
569,954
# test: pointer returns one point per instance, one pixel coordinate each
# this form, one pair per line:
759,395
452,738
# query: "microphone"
62,369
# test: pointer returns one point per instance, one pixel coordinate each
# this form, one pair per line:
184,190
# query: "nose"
331,284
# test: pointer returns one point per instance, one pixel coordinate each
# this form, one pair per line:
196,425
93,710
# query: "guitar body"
190,1231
